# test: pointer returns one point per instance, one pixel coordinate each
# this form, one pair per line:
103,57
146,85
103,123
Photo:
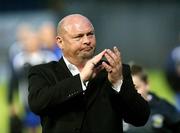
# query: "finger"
109,59
118,55
111,54
117,52
107,67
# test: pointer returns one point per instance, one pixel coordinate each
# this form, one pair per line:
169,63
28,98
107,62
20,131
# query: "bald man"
81,93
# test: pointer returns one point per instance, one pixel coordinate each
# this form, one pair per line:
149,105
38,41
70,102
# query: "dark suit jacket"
63,106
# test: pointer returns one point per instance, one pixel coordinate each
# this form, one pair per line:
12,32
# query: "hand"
114,68
90,71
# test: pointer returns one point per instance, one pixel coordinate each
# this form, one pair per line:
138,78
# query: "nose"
86,40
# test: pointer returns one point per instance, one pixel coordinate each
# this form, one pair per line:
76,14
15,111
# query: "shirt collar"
72,68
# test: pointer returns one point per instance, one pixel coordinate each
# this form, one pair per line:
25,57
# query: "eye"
79,36
90,34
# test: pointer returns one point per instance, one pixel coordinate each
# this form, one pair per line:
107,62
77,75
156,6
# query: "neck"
78,63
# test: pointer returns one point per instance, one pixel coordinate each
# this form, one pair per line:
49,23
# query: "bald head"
68,21
76,38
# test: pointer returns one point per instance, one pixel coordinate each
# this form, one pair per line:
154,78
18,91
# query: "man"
164,117
78,95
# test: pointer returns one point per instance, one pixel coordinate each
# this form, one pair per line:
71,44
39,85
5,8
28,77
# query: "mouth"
88,49
87,52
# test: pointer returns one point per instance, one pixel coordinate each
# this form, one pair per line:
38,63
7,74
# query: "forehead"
78,25
136,78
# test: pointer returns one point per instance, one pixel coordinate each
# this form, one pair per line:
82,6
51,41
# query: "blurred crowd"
33,46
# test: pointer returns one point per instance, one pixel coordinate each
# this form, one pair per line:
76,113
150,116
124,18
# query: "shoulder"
19,60
44,67
162,103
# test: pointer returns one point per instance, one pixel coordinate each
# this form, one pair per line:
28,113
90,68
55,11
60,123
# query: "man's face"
78,40
141,86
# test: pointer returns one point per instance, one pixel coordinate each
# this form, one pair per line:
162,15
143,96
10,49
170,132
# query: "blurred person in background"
22,33
172,72
164,117
47,34
29,55
78,94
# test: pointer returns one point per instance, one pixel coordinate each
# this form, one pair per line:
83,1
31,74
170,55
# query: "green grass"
160,86
4,111
157,82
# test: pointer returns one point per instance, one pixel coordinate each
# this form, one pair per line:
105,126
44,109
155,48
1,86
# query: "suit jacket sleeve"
47,93
131,105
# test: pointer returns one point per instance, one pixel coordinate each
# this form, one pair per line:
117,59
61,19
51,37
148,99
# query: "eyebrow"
81,34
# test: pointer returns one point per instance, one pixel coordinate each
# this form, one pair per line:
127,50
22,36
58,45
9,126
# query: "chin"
87,55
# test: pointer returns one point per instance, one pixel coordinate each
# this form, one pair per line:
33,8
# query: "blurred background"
146,31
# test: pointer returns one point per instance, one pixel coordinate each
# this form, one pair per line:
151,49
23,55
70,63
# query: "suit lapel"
62,70
91,93
94,89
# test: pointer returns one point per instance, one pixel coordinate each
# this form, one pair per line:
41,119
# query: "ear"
59,41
